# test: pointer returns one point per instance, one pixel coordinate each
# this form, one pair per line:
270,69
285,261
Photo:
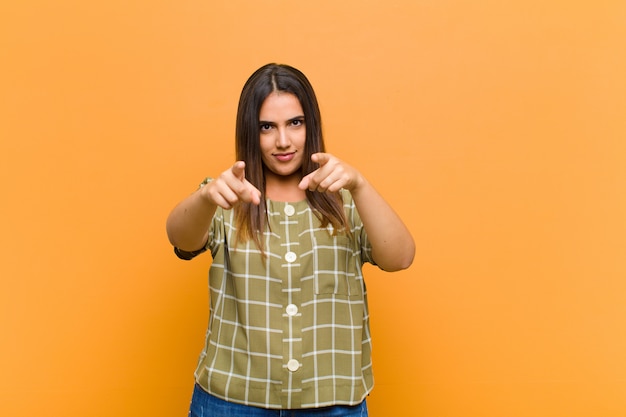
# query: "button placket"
292,316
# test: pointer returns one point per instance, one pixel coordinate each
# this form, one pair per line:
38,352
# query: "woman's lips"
285,157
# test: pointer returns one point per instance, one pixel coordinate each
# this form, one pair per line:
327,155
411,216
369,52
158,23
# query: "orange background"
497,129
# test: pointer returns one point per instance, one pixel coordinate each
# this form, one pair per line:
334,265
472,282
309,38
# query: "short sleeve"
357,229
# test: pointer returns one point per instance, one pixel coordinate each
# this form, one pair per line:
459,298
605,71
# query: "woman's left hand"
332,175
393,247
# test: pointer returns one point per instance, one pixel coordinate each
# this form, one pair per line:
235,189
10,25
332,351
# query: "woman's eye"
297,122
265,127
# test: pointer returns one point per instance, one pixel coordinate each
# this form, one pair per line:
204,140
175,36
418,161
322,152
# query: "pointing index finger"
320,157
239,169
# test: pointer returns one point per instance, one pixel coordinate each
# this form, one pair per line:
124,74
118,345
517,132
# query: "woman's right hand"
231,188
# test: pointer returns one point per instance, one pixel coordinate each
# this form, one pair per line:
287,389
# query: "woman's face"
282,134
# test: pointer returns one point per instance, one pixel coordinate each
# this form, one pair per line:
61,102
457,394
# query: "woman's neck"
283,188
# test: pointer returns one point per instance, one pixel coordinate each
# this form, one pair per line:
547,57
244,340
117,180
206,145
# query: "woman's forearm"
393,247
188,224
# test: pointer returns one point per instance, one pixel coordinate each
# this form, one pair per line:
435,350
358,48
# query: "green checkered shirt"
293,331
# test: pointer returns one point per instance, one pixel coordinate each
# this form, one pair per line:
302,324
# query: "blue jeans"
204,404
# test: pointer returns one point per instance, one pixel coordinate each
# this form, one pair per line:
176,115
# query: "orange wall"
496,128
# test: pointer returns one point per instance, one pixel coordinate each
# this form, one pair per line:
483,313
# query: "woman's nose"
282,139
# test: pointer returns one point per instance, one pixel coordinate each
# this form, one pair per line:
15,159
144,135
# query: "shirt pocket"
334,266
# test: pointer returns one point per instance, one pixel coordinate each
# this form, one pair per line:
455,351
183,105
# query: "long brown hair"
251,219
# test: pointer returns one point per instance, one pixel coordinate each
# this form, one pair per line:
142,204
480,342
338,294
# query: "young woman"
289,227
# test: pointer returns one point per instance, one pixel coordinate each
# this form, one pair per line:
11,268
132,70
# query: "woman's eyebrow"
301,118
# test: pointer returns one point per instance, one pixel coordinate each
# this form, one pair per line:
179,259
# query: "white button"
293,365
289,210
292,309
290,257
